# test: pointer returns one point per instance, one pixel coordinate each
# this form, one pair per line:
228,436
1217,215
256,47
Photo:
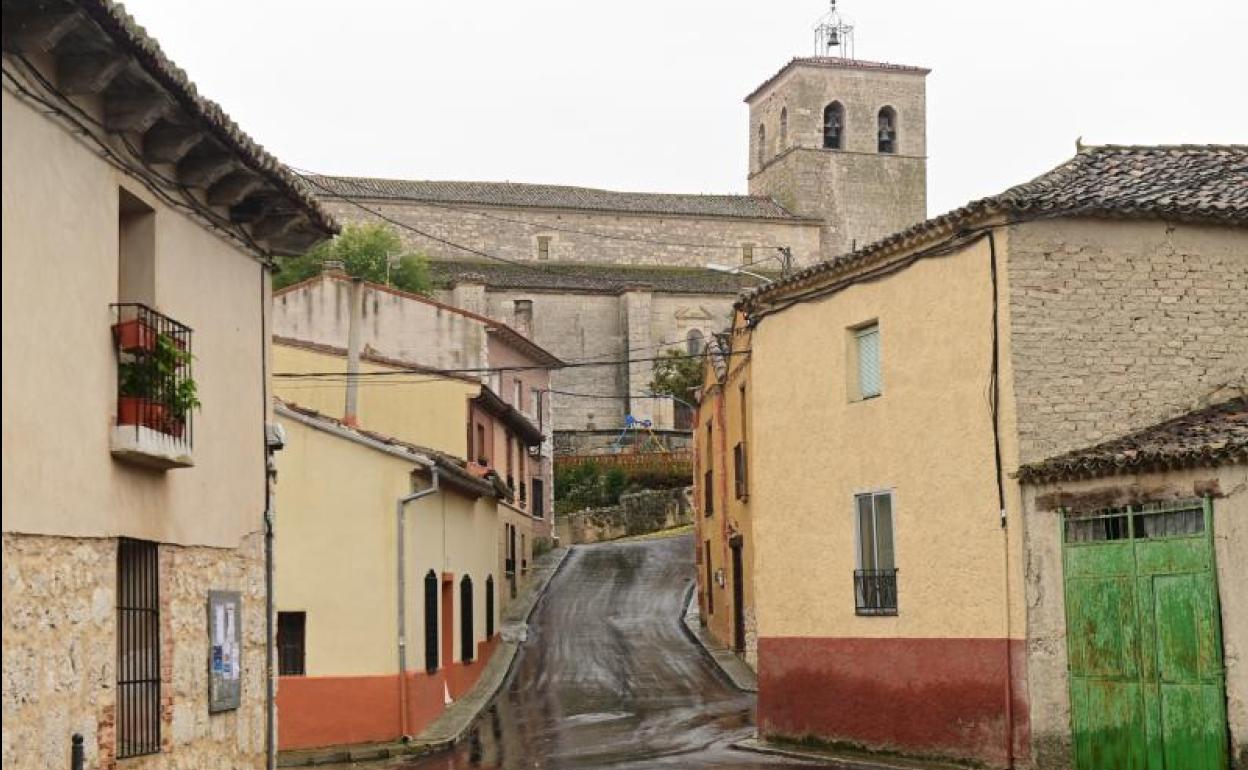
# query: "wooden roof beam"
88,73
136,111
30,32
233,188
168,143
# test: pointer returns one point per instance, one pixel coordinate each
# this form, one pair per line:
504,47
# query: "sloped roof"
836,62
525,195
1215,435
589,278
1186,183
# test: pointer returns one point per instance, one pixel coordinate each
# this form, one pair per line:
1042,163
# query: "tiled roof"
836,62
589,278
524,195
454,469
1215,435
1188,183
133,39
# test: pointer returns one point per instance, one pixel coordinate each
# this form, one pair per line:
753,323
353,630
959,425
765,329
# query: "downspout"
400,506
1005,532
271,444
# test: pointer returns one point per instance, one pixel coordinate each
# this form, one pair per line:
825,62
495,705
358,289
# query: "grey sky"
646,95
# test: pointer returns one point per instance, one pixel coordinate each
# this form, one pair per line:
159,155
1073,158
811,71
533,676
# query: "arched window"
431,621
693,342
467,642
833,126
888,129
489,607
762,144
784,128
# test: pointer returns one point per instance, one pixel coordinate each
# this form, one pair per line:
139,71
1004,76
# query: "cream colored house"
364,519
898,389
139,228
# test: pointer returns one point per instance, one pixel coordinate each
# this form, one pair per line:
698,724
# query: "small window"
747,253
543,246
517,394
739,469
867,355
762,144
694,342
431,621
888,130
833,126
875,580
483,455
539,498
291,655
489,607
784,128
467,639
138,648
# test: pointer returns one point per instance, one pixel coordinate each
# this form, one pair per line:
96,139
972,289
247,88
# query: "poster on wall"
225,641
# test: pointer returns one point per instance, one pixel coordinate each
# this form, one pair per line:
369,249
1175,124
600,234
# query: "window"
875,580
887,130
710,582
535,405
467,642
136,250
833,126
693,342
483,456
762,144
747,253
739,471
511,461
291,630
866,353
138,648
522,315
708,477
539,498
543,246
489,607
517,394
431,621
784,128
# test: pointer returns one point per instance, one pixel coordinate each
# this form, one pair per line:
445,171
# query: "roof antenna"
832,32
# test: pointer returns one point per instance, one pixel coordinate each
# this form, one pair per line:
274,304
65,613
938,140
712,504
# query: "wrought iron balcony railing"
875,591
156,394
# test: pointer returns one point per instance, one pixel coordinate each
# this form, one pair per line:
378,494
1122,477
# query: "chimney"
350,413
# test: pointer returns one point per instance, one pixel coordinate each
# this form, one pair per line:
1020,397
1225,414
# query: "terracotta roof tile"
1215,435
590,278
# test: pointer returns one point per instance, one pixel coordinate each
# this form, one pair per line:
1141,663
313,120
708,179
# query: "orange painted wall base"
318,711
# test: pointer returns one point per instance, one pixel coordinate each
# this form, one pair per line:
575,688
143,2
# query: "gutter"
400,506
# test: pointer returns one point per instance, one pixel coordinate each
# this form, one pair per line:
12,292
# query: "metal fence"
875,591
138,648
155,388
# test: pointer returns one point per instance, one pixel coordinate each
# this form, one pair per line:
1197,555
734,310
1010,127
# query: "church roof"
836,62
525,195
1182,183
589,278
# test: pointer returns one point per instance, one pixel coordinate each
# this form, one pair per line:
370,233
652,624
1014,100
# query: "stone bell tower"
844,141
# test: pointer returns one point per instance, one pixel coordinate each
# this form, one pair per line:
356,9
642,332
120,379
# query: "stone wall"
594,442
1116,326
60,654
638,513
606,237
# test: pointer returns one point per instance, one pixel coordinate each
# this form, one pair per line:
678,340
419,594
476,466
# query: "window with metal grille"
1138,522
739,471
489,607
867,342
431,621
291,627
467,642
875,580
138,648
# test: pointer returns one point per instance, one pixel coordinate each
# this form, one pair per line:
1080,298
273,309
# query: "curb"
841,761
738,674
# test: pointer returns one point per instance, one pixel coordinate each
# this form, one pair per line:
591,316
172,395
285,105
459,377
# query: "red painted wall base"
316,711
933,697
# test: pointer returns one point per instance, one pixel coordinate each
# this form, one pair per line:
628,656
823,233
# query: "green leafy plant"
677,374
371,251
153,377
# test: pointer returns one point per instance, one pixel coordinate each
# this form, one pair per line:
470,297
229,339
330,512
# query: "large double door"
1143,632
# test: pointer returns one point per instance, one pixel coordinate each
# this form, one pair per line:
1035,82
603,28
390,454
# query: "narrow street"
609,679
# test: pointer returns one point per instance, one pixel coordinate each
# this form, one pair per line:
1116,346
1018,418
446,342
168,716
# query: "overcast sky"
647,94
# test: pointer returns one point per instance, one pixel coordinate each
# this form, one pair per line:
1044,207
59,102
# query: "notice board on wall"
225,650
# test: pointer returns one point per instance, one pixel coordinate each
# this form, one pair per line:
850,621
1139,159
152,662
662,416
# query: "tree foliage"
364,250
677,374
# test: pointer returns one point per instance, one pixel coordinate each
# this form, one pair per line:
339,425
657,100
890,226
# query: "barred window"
291,655
138,648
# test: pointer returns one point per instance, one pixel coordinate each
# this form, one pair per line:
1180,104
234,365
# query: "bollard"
77,756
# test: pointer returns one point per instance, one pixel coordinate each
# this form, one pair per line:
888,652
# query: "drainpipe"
350,411
400,507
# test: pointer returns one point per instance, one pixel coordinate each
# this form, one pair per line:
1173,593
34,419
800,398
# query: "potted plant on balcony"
150,392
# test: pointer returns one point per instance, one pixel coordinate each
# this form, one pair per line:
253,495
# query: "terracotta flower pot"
136,410
134,335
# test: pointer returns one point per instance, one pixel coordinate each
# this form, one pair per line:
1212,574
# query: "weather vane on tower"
832,32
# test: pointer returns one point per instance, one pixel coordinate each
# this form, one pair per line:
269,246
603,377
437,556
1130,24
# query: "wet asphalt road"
608,679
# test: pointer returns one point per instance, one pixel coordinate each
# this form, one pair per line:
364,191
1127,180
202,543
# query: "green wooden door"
1144,646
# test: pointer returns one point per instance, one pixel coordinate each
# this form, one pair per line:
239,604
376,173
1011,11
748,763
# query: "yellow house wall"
337,553
927,439
60,272
426,410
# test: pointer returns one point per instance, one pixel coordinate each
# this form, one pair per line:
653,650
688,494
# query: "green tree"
364,250
677,374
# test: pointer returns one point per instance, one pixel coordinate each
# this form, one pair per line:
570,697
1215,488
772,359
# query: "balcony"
156,393
875,591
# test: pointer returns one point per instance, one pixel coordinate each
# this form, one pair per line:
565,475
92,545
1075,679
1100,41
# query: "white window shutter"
869,362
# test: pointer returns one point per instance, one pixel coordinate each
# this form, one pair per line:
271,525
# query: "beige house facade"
134,534
898,389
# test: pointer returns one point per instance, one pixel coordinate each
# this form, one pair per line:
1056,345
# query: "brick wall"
1117,325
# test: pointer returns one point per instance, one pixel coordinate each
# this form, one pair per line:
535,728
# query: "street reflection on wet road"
609,679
